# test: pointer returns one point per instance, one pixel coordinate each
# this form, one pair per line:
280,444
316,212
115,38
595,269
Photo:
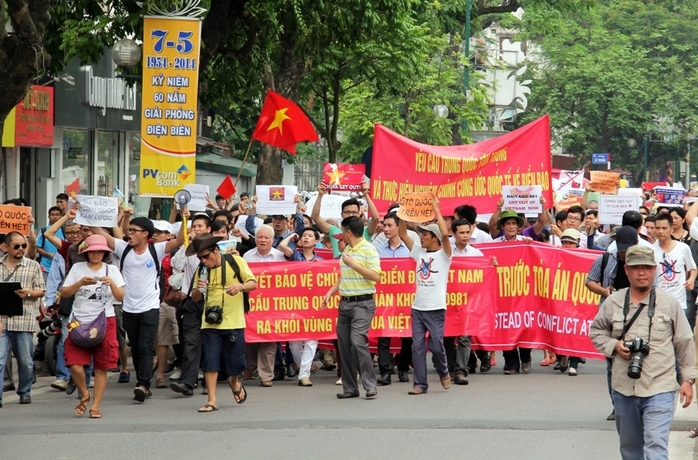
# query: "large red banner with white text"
535,297
473,173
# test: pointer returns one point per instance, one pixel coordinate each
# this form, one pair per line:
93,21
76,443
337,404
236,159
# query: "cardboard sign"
97,211
567,199
570,179
417,207
331,206
669,196
523,199
604,182
198,197
343,177
612,207
15,219
276,199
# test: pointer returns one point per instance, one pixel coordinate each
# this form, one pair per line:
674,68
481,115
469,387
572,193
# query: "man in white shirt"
469,213
141,304
262,355
676,269
433,259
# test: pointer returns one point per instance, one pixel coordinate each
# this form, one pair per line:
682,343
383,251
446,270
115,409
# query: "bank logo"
183,172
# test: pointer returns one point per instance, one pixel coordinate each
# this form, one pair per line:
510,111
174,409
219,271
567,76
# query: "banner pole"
244,160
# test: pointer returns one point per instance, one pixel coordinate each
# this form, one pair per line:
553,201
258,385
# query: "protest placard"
331,206
97,211
198,197
417,207
15,219
568,198
570,179
630,191
276,199
242,220
669,196
604,182
612,207
343,177
523,199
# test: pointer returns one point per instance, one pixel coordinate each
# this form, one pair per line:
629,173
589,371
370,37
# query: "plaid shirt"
28,275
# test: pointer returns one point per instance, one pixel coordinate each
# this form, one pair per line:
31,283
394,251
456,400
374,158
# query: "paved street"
543,415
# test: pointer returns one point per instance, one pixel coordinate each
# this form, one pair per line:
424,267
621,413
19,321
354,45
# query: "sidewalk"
681,447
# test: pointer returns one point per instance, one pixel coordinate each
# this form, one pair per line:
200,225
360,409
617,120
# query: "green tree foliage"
621,69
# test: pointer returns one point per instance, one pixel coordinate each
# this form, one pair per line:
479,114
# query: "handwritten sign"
523,199
276,199
630,191
604,182
198,196
612,207
343,177
417,207
15,219
669,196
330,207
97,211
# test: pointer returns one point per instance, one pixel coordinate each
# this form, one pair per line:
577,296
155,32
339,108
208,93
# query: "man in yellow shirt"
359,271
223,324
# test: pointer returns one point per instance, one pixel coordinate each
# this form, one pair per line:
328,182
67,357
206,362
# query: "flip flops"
236,394
208,408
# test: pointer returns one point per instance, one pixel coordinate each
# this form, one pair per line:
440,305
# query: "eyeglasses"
17,246
574,219
204,256
134,230
72,233
352,213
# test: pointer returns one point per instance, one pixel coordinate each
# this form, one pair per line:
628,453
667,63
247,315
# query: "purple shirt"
529,232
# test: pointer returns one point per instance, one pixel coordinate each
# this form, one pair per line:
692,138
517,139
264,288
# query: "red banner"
34,126
536,297
473,173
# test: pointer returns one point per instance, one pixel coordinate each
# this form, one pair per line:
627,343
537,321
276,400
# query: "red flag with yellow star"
283,124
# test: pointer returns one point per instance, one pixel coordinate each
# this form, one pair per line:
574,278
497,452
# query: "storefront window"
107,166
76,175
134,165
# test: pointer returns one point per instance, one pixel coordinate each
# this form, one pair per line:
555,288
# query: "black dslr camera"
213,315
639,348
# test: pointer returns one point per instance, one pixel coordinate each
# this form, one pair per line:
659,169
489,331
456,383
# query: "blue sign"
600,158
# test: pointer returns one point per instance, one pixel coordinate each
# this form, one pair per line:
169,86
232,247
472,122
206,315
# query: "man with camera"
221,291
644,331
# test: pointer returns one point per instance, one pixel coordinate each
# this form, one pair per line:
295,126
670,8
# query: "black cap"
626,236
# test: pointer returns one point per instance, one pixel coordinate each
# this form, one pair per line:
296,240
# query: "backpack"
236,269
38,256
154,254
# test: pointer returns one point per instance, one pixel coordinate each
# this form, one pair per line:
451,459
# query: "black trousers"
514,358
385,358
142,330
191,347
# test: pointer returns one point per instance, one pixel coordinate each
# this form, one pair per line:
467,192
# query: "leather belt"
357,298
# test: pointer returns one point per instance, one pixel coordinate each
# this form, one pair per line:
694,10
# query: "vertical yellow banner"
8,133
169,118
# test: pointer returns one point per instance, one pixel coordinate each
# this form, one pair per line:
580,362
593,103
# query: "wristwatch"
691,381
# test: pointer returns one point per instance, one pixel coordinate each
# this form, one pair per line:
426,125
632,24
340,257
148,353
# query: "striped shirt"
28,275
351,283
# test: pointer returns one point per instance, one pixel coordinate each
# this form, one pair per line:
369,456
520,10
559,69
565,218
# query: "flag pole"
244,160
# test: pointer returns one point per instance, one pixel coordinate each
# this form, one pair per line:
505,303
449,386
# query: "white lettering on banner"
108,93
97,211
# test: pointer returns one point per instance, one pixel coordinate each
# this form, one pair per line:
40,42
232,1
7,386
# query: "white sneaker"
176,374
59,384
338,382
572,372
201,375
92,383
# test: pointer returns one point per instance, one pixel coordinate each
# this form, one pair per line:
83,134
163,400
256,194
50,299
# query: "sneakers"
59,384
200,376
176,374
526,367
572,372
339,381
305,382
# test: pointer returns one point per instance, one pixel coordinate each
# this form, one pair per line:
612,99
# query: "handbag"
91,334
173,297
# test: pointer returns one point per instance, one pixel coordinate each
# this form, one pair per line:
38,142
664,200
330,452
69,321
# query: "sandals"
95,413
208,408
313,369
81,408
545,362
236,394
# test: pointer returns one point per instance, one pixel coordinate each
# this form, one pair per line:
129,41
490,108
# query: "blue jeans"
22,343
643,425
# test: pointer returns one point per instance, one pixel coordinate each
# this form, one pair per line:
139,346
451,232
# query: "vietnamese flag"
73,188
283,124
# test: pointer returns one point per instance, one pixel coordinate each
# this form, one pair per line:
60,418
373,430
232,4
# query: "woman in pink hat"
96,286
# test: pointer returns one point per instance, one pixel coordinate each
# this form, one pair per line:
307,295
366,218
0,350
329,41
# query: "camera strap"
626,308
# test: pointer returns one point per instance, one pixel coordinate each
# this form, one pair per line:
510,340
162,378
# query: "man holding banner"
433,257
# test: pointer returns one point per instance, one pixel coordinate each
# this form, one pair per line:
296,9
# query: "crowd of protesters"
178,309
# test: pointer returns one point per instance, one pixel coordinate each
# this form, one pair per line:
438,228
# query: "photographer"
221,289
644,332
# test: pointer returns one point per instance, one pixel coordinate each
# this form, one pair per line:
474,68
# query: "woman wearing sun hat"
96,286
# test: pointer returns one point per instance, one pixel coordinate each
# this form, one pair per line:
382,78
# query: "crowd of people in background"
177,310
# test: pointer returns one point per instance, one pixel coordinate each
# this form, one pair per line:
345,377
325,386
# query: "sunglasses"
204,256
17,246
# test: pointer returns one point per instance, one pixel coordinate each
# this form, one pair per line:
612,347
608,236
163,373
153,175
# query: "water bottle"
203,275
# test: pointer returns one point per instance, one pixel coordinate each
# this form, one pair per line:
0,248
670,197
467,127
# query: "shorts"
105,355
168,329
216,343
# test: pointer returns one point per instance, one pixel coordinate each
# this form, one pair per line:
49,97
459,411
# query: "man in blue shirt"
45,250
